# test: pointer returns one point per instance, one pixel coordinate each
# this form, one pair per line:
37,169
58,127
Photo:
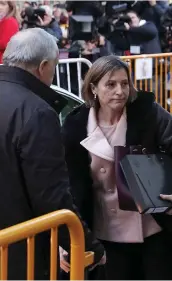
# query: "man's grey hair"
48,10
30,47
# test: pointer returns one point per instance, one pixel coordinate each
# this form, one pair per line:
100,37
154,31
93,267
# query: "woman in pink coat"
115,114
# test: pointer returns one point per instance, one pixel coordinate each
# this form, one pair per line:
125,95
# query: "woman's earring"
95,96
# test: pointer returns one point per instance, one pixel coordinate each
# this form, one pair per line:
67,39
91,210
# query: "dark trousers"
140,261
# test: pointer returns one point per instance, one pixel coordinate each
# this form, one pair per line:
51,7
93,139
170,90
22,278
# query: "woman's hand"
64,265
101,262
169,198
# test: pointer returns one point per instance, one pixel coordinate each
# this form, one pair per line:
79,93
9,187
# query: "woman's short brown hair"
100,68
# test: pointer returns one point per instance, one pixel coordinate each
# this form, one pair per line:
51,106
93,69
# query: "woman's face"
4,9
113,90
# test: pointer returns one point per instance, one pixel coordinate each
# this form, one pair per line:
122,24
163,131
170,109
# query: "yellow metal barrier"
160,82
28,230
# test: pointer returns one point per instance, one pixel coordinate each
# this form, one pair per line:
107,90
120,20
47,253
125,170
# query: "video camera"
112,24
118,19
31,16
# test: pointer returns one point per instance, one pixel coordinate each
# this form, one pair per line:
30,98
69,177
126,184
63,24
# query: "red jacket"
8,27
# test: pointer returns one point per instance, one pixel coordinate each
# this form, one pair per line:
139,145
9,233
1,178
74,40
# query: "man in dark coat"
151,10
33,174
142,34
49,24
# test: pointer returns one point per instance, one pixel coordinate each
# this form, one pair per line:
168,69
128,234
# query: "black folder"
147,177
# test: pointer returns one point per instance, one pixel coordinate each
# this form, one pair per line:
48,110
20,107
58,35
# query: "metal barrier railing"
63,71
153,73
150,72
63,68
28,230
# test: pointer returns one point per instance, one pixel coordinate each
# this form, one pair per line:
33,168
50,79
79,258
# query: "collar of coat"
138,119
97,143
19,76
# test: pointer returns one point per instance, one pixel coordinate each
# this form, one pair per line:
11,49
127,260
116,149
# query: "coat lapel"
96,142
119,138
137,127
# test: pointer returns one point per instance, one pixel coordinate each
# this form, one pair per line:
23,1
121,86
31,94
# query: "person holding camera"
142,35
48,23
151,10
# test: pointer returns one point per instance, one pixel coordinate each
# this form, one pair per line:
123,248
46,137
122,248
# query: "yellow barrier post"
161,67
28,230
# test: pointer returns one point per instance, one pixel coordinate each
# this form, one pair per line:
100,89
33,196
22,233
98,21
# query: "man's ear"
42,67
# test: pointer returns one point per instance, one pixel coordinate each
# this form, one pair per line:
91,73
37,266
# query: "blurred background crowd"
91,29
96,28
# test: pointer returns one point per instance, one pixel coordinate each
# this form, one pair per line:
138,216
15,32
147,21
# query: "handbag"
144,177
125,198
147,177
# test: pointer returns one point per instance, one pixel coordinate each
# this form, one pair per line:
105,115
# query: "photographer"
142,35
41,17
151,10
49,24
132,35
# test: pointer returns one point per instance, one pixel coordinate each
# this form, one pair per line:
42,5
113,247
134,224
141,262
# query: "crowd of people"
119,27
45,167
116,27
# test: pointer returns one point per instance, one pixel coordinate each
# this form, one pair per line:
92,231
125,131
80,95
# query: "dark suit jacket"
33,174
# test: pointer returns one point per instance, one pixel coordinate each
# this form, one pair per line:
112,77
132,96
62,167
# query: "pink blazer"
111,223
